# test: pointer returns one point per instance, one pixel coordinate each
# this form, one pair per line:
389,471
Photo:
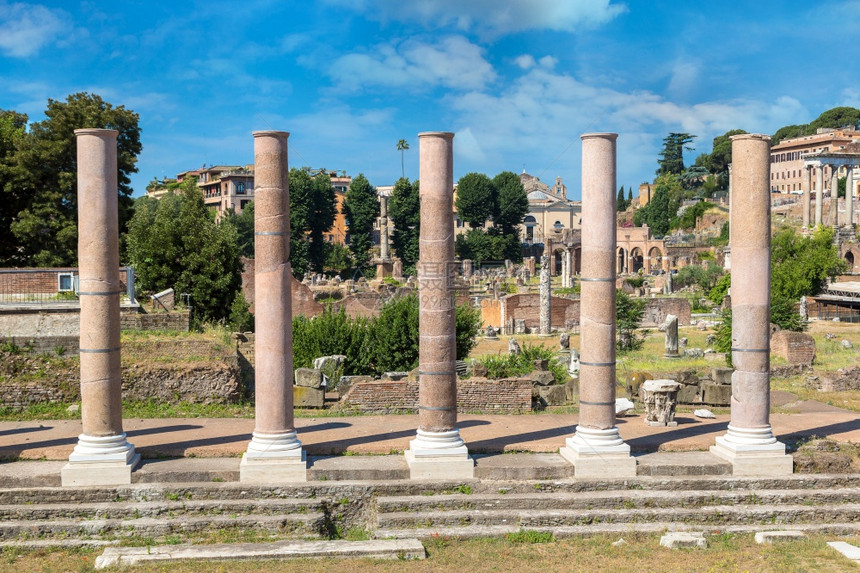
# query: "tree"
721,154
510,203
244,224
313,207
402,146
832,118
12,131
628,314
475,199
629,196
800,265
672,156
361,207
620,201
663,207
175,243
45,167
404,207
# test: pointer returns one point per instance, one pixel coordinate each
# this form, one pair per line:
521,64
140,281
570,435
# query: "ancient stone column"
807,197
565,269
819,193
849,196
275,452
596,449
383,227
545,296
671,324
749,443
467,268
437,452
834,196
102,455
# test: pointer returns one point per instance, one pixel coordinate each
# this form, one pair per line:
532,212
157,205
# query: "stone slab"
436,468
273,470
753,464
777,536
375,549
600,465
306,397
683,539
522,466
85,474
659,464
364,468
852,552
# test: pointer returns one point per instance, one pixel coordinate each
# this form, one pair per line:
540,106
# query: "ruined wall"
656,310
491,313
564,312
794,347
388,396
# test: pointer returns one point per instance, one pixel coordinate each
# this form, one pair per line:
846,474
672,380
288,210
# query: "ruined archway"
655,260
637,260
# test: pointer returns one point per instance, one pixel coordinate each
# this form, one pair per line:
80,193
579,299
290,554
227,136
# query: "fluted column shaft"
807,197
819,193
849,196
834,196
597,307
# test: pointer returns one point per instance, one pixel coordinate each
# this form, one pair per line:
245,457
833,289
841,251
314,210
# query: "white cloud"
685,77
494,17
525,61
26,28
453,62
548,62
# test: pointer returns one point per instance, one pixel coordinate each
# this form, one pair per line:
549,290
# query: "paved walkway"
225,437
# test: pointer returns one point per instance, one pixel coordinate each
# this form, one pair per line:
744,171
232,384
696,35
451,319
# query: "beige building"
226,187
550,211
787,158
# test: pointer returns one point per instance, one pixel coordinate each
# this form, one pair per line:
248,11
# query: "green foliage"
241,319
832,118
784,315
529,536
42,176
663,206
719,291
723,342
175,243
800,265
628,314
12,133
244,225
402,146
404,207
510,204
475,200
635,282
388,342
313,207
703,277
512,365
672,156
480,246
361,207
721,155
691,214
620,201
338,259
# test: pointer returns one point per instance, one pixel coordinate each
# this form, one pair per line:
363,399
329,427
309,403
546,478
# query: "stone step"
711,515
174,508
629,499
310,524
621,529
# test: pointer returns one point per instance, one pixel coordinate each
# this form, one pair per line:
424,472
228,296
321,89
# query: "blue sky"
517,81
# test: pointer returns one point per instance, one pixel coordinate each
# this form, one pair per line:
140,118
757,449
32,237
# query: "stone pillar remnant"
749,443
467,268
849,196
596,448
545,296
834,196
275,452
383,227
671,324
819,193
660,398
437,451
807,197
102,455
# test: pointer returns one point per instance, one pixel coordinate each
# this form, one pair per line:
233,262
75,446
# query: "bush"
628,315
512,365
241,319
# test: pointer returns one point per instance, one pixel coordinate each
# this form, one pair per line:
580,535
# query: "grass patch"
530,536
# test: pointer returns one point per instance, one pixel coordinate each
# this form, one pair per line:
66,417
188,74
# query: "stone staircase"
204,511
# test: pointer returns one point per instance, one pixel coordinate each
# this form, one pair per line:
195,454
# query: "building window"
240,188
65,282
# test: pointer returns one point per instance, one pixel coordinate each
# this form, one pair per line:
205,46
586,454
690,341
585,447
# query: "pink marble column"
437,451
849,196
749,442
834,196
596,449
275,452
807,197
102,455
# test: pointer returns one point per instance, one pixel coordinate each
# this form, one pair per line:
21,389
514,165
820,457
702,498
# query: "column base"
100,460
439,455
598,454
753,452
274,458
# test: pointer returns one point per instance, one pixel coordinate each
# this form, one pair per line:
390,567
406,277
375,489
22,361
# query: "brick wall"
40,280
177,320
386,396
656,310
367,304
794,347
563,311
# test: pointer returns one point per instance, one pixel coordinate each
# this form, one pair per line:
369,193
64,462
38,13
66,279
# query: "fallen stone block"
852,552
777,536
683,539
703,413
304,397
542,377
716,394
309,378
553,395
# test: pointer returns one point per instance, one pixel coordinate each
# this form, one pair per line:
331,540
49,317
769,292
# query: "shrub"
628,315
512,365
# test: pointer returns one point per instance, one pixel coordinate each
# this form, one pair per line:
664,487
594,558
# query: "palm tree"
402,146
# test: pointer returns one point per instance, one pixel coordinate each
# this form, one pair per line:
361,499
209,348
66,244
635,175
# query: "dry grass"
726,553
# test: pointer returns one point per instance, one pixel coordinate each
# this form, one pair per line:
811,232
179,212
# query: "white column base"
100,460
753,452
274,458
439,455
598,454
